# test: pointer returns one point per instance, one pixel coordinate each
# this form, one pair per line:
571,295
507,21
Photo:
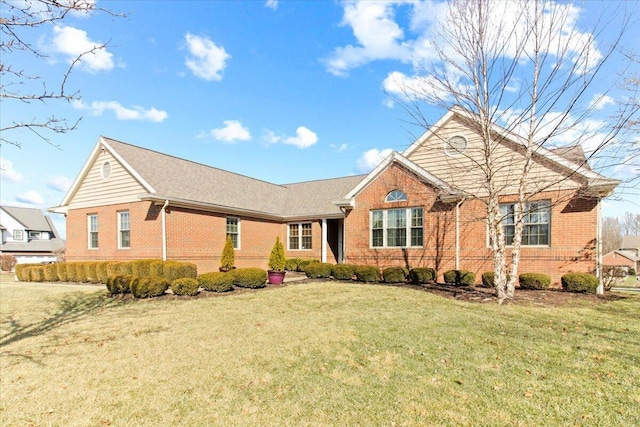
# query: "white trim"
164,230
89,216
408,227
119,219
239,239
299,224
324,240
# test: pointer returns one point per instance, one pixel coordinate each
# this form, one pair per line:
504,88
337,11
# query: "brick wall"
573,231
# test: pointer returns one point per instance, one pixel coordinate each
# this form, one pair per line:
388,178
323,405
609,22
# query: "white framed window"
300,236
124,230
455,146
391,228
537,223
105,171
233,231
35,235
18,234
396,196
92,231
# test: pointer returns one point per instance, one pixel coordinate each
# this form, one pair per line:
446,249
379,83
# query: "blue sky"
283,91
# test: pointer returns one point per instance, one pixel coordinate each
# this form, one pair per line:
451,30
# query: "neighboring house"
414,209
628,256
29,235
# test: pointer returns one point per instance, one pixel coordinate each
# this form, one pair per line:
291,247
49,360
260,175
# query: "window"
106,170
92,227
536,220
35,235
455,145
233,231
18,234
300,236
396,227
396,196
124,230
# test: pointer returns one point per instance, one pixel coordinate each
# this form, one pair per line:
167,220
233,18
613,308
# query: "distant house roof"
31,218
630,242
192,184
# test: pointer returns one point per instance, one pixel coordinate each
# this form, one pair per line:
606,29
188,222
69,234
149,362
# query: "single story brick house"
627,256
414,209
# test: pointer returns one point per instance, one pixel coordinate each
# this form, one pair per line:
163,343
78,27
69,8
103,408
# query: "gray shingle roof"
175,178
35,245
630,242
31,218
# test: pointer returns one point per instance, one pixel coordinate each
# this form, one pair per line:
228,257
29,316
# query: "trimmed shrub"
81,272
459,277
50,273
487,279
291,264
122,268
149,287
61,271
36,274
277,259
26,273
343,271
304,263
8,262
367,273
394,275
185,286
178,270
228,259
119,284
580,282
422,275
21,274
318,270
142,267
249,277
536,281
101,271
632,271
216,281
72,273
156,268
90,269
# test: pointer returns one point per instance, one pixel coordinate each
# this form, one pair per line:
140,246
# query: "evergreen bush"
142,267
216,281
101,271
366,273
37,274
487,279
90,270
173,270
343,271
249,277
21,274
50,273
318,270
394,275
119,284
580,282
291,264
61,271
459,277
304,263
150,286
277,259
422,275
228,260
536,281
156,268
185,286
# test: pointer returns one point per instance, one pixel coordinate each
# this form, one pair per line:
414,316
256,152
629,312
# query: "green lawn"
313,354
631,281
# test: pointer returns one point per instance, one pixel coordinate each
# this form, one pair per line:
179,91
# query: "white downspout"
458,233
324,240
164,230
600,288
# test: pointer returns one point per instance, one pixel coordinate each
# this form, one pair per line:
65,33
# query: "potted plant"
228,256
276,263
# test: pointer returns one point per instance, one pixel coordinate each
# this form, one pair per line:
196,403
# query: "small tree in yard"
612,276
525,66
228,255
277,258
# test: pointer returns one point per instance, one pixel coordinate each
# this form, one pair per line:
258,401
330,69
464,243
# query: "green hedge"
487,279
318,270
101,271
36,274
149,287
580,282
394,275
216,281
142,267
303,263
61,271
50,273
173,270
343,271
536,281
367,273
459,277
119,284
90,269
422,275
291,264
185,286
249,277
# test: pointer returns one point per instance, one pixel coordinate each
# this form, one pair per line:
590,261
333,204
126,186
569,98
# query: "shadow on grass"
71,308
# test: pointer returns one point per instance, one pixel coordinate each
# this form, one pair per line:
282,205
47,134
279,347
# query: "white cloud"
600,101
304,138
73,42
272,4
206,60
31,197
378,36
8,173
339,148
124,113
372,158
231,132
59,183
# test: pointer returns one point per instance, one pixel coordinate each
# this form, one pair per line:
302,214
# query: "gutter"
458,232
164,230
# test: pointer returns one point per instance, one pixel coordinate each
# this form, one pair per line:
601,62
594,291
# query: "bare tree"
611,234
514,64
18,19
630,224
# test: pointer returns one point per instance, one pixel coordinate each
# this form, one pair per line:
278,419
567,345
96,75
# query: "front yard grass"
313,354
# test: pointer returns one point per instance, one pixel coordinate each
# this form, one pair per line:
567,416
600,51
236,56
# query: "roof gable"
31,218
